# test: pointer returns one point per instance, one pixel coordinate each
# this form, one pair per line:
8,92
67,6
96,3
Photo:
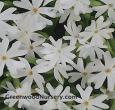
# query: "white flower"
25,90
83,72
110,94
87,102
57,52
60,70
34,105
109,7
74,31
98,30
62,5
82,7
56,56
26,29
30,74
105,71
33,47
35,10
92,49
7,55
68,15
6,16
72,8
56,101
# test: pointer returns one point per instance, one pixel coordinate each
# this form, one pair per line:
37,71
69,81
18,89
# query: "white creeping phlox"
36,11
25,30
4,17
72,8
7,56
33,47
86,102
98,31
110,94
74,31
58,97
18,92
92,50
83,72
109,7
56,56
47,47
30,73
105,71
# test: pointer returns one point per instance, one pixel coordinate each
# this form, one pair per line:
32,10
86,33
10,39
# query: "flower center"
108,71
85,73
24,34
56,98
4,57
29,72
110,5
31,47
107,92
35,10
59,51
96,31
86,103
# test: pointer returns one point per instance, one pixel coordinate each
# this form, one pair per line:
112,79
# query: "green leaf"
110,47
112,43
16,83
8,3
32,60
95,3
113,105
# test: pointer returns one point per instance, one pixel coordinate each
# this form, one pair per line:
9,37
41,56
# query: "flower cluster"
80,65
